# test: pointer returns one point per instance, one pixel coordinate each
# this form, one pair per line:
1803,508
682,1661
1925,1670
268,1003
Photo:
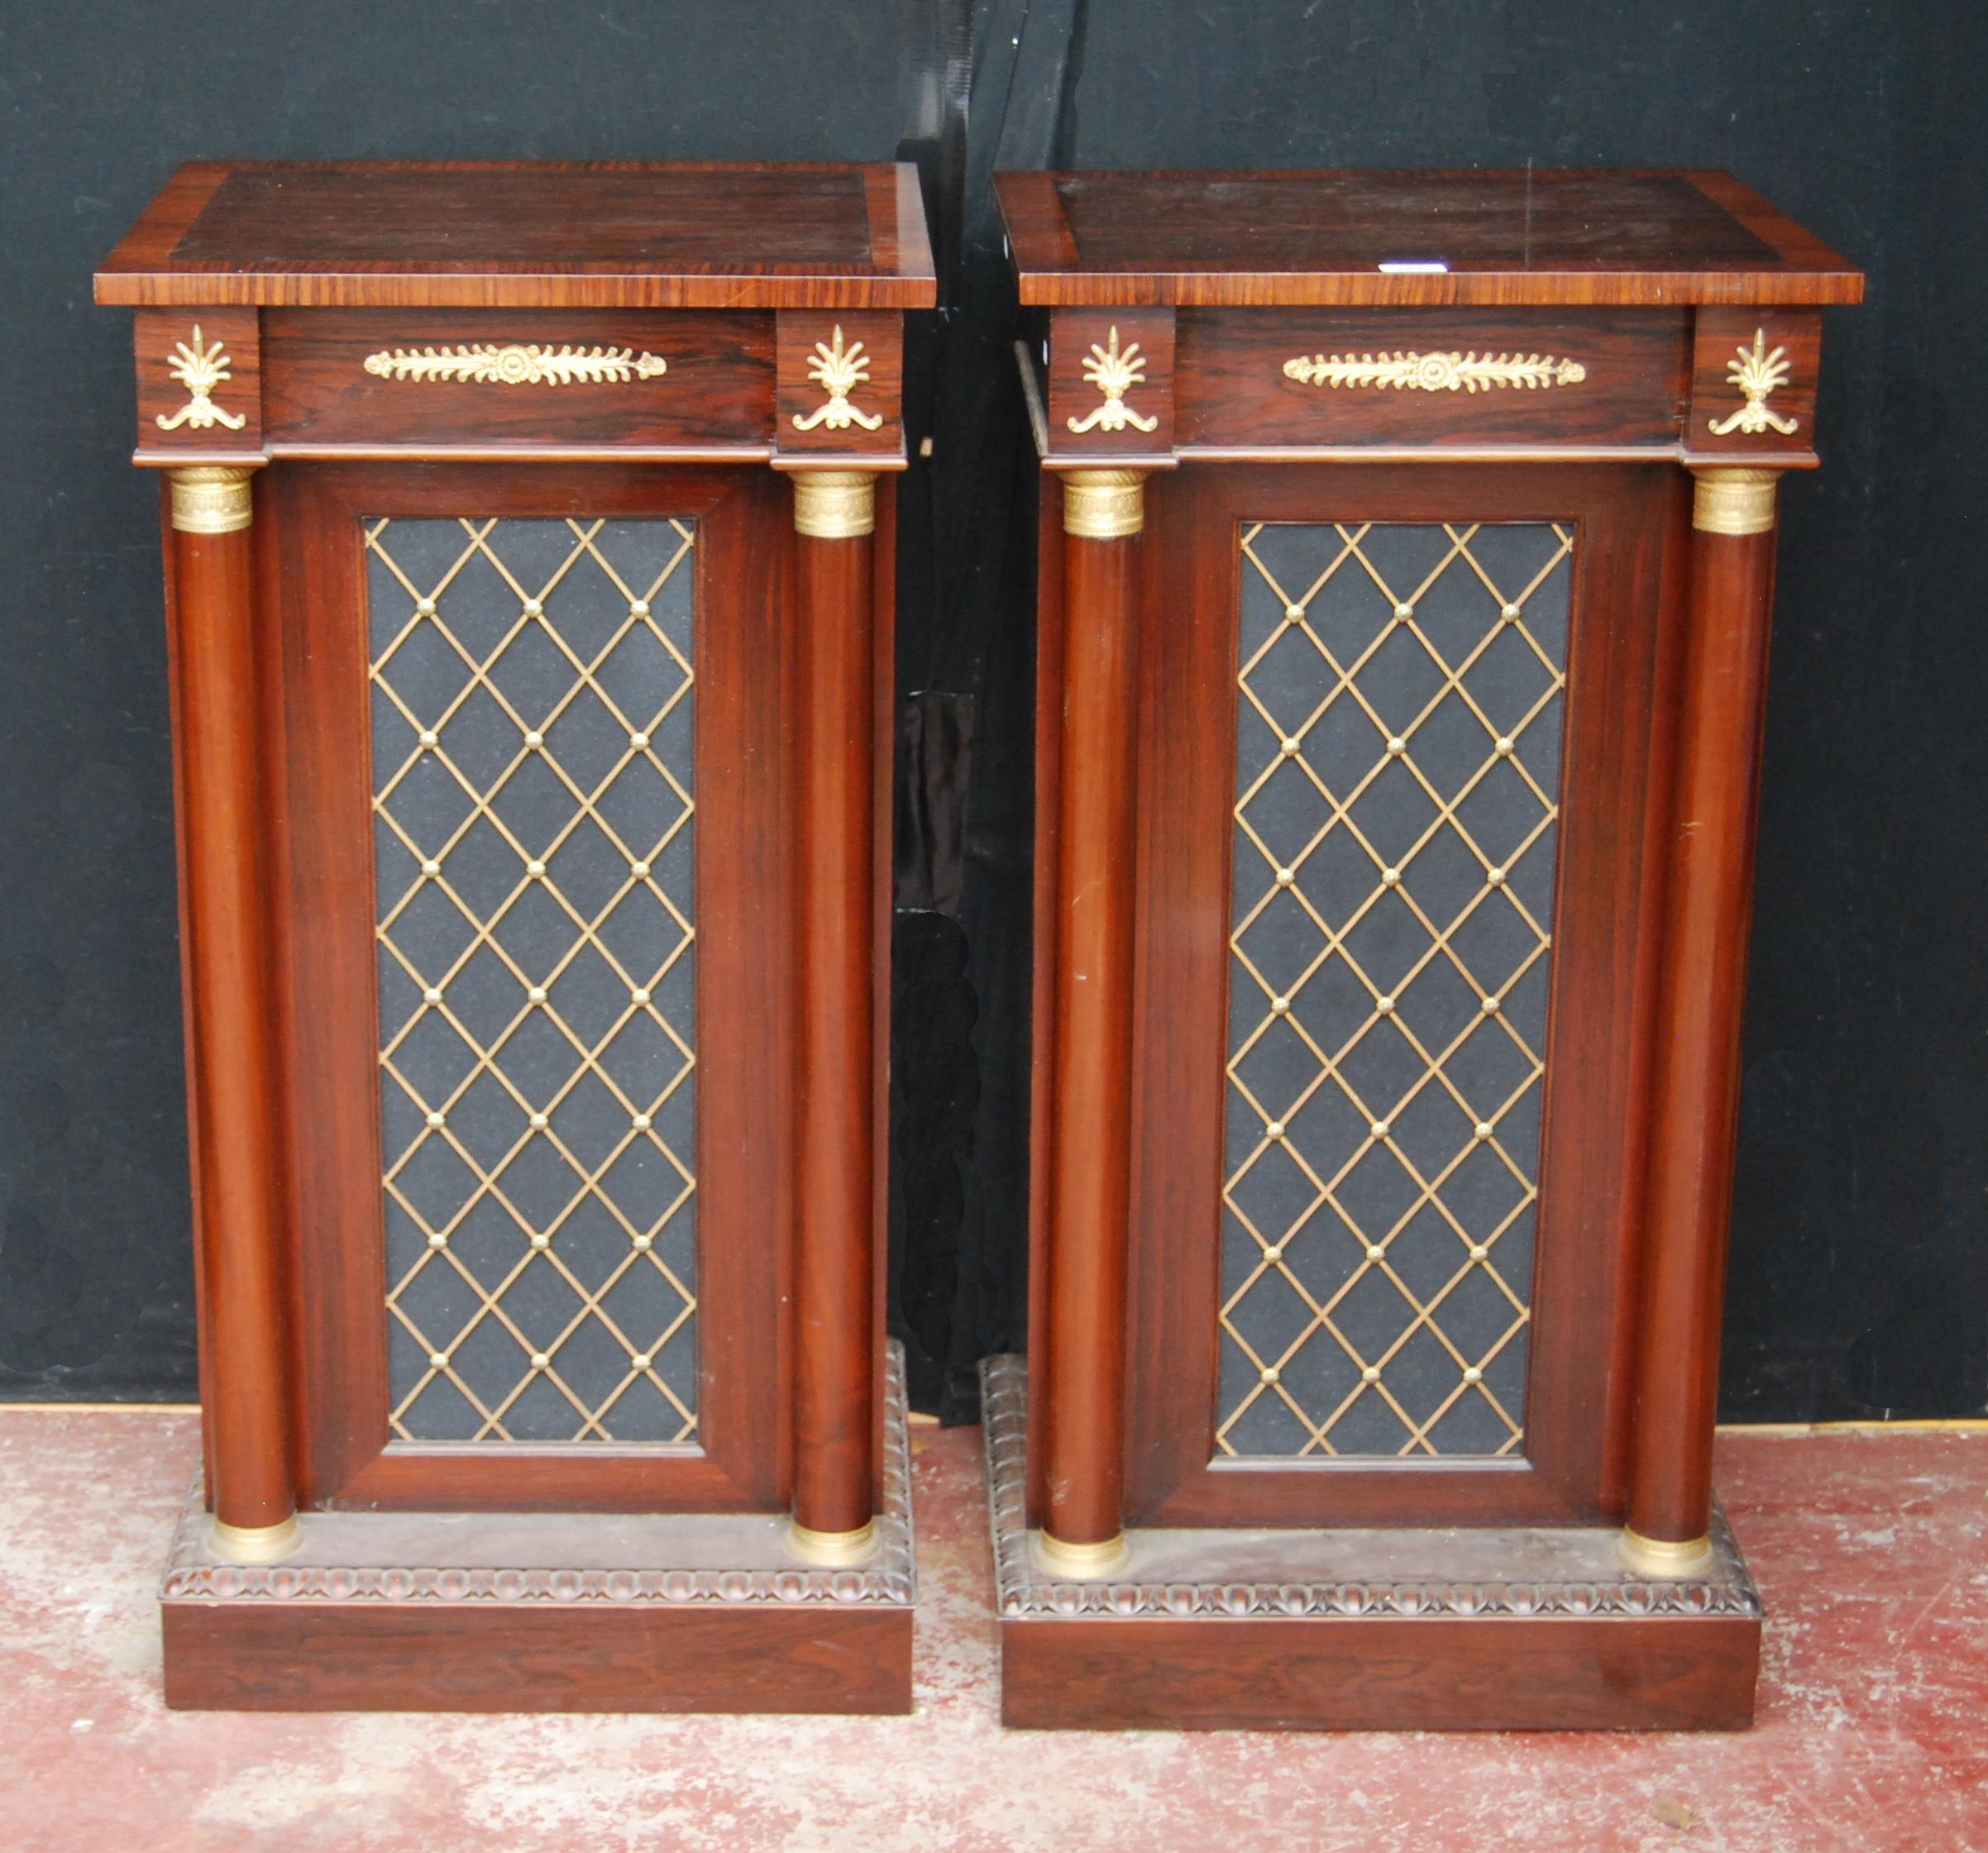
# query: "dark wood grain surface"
310,1657
716,396
1233,393
1504,1673
1551,236
528,235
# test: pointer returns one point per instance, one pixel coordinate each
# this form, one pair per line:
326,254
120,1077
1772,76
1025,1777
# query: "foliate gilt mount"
1756,372
839,372
516,365
1435,373
199,369
1113,374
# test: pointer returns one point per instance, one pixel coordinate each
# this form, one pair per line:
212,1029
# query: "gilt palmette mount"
200,368
515,364
1114,372
1436,372
838,371
1756,371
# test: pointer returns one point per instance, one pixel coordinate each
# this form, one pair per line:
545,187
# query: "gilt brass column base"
1658,1557
255,1544
832,1550
1082,1562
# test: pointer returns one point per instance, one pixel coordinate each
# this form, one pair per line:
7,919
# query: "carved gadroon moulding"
1023,1592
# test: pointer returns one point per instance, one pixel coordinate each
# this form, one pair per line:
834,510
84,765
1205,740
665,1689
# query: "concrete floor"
1872,1552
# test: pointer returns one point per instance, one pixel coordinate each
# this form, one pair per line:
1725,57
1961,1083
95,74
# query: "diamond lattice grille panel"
1400,697
533,816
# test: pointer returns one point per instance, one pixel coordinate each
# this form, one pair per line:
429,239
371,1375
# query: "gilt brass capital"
1103,504
211,498
1733,501
834,504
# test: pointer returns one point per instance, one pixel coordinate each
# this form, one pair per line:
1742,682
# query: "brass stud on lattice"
430,737
537,994
534,739
425,607
431,996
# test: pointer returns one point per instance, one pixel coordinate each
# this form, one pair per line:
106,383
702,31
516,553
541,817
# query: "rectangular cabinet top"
1551,237
528,235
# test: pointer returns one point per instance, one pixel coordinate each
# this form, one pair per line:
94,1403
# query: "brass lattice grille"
1397,772
532,754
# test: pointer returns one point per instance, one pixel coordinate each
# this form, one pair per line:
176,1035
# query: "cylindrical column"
231,1061
1695,1099
1089,1111
834,1408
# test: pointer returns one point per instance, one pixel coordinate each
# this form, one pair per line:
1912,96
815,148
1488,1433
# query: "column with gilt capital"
838,427
1695,1105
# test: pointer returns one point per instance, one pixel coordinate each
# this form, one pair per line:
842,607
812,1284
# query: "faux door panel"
1393,973
538,730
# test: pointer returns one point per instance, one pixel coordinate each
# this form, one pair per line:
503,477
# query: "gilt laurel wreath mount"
1436,372
515,364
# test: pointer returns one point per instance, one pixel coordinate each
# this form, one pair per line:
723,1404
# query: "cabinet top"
528,235
1557,235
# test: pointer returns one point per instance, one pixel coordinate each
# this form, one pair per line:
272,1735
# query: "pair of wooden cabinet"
529,548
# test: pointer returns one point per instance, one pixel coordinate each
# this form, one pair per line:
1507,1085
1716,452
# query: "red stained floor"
1872,1552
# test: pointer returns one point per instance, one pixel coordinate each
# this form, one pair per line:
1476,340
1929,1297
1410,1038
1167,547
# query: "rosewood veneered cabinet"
1405,564
527,534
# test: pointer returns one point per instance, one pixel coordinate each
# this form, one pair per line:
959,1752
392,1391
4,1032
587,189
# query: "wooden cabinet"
528,537
1407,545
